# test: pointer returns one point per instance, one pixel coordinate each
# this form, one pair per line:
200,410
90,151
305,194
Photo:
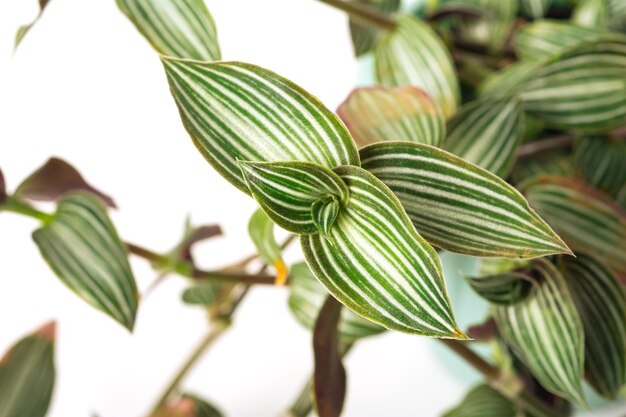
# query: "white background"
86,87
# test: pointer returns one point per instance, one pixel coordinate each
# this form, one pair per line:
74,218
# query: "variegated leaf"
376,264
506,289
509,80
557,163
27,375
176,28
493,27
235,111
484,401
458,206
364,36
546,333
82,247
551,37
306,296
261,230
601,304
591,13
587,220
487,133
375,114
602,162
535,9
413,54
300,197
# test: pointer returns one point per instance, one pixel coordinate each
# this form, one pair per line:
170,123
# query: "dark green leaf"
363,36
602,162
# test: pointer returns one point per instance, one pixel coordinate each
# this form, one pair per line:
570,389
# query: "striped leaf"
506,289
601,304
176,28
509,80
364,36
374,114
306,297
413,54
497,266
493,27
23,30
557,163
27,375
82,247
300,197
203,294
546,333
458,206
235,111
487,133
535,9
591,13
261,231
484,401
587,220
375,263
602,162
551,37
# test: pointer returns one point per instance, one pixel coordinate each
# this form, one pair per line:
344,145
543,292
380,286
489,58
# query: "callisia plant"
494,129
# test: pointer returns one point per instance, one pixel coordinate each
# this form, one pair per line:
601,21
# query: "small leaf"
546,333
375,263
602,307
413,54
535,9
587,220
551,37
488,133
591,13
23,30
484,401
203,294
602,162
53,179
261,230
27,374
306,296
458,206
83,249
176,28
330,375
506,289
363,36
287,191
235,111
191,236
374,114
324,213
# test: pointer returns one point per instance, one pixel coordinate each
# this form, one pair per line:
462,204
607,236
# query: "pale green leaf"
535,8
204,294
413,54
287,192
484,401
458,206
506,289
82,247
27,374
494,25
364,36
23,30
587,220
375,114
487,133
546,333
176,28
551,37
591,13
601,304
306,297
375,263
261,231
235,111
602,162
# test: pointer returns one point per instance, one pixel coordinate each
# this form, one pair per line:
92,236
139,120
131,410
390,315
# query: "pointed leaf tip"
48,331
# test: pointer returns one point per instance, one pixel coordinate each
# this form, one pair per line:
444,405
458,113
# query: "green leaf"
235,111
587,220
27,374
493,27
261,230
602,162
484,401
506,289
413,54
202,407
306,296
487,133
556,163
375,263
363,36
601,304
551,37
288,191
203,294
546,333
535,9
83,249
591,13
509,80
375,114
23,30
458,206
176,28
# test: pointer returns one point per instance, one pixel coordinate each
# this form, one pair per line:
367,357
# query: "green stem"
363,14
15,205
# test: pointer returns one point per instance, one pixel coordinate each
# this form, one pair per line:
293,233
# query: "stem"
216,330
556,142
364,14
15,205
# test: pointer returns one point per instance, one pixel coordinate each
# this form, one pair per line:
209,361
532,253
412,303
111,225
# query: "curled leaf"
23,30
506,289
